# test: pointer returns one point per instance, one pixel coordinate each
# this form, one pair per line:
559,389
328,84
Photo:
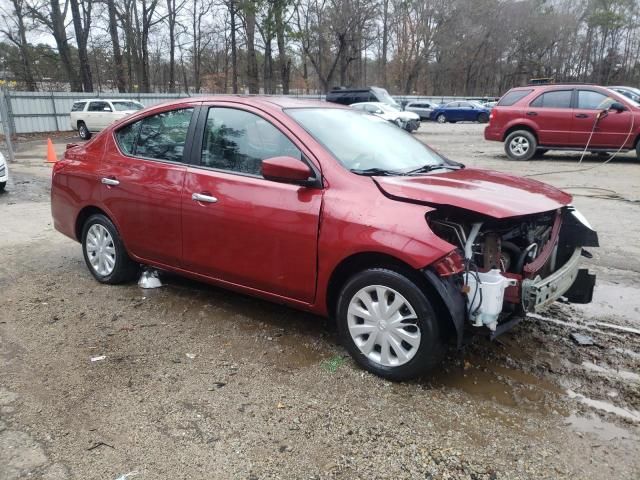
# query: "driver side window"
238,141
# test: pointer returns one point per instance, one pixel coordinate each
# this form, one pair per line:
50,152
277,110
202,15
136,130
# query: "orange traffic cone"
51,153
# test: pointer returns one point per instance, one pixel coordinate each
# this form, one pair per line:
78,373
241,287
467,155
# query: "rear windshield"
78,106
512,97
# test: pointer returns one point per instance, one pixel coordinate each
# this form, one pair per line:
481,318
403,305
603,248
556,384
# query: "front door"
610,128
142,182
239,227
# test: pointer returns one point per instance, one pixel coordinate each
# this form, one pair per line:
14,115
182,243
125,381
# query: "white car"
4,172
408,120
93,115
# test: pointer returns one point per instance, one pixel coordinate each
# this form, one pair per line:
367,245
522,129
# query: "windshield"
384,97
364,142
122,106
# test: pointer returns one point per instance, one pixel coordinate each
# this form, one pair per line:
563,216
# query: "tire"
483,118
2,186
397,363
540,152
638,149
120,268
441,118
83,131
520,145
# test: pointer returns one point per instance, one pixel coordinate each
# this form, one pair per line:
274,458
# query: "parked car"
325,209
422,108
532,120
4,173
93,115
464,111
629,92
349,96
408,120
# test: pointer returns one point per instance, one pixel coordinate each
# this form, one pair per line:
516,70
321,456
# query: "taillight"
450,264
492,115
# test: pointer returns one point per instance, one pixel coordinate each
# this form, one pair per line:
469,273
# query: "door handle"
582,115
110,181
201,197
532,114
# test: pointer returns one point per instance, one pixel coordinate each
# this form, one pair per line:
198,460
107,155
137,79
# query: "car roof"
259,100
106,100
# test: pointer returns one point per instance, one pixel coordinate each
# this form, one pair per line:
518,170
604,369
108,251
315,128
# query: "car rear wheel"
441,118
638,149
483,118
2,185
83,131
388,325
104,252
520,145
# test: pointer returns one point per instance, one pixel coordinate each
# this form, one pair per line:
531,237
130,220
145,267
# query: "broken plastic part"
149,279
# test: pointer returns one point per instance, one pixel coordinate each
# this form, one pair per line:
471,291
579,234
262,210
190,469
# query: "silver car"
423,109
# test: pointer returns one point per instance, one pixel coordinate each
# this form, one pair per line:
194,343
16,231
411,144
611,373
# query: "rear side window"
161,137
511,98
555,99
78,106
590,100
99,107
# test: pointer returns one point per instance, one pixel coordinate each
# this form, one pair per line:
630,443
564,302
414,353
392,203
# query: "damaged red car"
329,210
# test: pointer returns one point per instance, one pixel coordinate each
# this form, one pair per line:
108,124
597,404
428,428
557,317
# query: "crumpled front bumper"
539,293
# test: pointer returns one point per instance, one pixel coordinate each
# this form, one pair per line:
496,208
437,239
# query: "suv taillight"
492,115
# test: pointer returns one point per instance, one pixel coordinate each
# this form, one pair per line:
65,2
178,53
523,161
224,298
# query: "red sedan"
326,209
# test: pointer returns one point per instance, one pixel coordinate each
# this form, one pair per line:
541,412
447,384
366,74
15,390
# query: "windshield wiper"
376,171
431,168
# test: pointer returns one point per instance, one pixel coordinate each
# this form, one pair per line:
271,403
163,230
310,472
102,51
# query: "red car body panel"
274,240
567,127
494,194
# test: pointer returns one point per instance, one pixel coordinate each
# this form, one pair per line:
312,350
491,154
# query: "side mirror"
618,107
287,170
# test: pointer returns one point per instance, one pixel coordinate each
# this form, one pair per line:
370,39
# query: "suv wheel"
483,118
2,186
388,325
104,253
520,145
83,131
638,149
441,118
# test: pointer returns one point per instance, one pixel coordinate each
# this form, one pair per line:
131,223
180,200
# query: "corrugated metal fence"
30,112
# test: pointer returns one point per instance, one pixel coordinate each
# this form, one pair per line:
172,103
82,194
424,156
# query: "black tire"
441,118
2,186
432,345
124,269
83,131
520,145
540,152
638,149
483,118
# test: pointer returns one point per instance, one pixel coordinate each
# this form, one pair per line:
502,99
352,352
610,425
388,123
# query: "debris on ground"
150,278
582,339
98,358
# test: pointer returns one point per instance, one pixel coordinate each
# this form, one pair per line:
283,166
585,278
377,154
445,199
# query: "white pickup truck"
95,114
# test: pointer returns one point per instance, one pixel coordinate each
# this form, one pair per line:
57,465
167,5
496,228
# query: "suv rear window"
78,106
512,97
554,99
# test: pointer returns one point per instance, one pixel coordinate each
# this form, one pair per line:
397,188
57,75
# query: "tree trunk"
283,62
234,52
385,41
115,41
252,61
81,25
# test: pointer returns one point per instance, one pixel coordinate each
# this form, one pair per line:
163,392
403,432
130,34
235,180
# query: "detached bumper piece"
568,281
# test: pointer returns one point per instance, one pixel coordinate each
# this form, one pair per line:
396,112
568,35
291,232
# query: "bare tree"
15,30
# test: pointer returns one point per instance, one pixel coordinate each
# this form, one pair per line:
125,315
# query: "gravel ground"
198,382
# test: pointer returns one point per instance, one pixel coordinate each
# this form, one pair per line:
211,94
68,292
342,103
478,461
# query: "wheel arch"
425,280
520,126
82,217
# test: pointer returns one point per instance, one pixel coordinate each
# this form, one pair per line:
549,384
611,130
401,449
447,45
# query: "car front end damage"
502,269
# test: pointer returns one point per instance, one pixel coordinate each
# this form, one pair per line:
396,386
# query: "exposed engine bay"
518,264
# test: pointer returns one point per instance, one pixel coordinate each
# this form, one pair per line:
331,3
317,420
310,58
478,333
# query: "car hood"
486,192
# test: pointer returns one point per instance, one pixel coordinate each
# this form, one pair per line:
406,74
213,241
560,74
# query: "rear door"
142,178
552,114
592,114
97,116
239,227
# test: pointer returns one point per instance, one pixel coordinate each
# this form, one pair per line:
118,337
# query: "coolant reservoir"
486,296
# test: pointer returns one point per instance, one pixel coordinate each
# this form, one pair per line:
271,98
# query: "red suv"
326,209
532,120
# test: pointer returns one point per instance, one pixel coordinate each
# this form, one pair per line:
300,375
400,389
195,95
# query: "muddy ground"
198,382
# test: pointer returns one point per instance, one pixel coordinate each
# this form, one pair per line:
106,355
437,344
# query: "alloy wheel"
519,146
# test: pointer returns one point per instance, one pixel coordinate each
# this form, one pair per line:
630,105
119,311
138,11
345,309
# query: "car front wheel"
483,118
441,118
388,325
104,252
83,131
520,145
